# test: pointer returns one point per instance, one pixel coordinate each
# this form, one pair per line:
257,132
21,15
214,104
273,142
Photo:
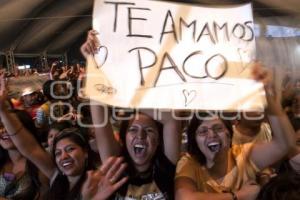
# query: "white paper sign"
168,55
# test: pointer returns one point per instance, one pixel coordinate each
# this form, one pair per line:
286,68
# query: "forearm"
10,121
283,132
172,139
17,132
106,142
26,143
23,140
171,132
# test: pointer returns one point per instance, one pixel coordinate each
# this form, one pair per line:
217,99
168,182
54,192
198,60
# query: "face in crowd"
70,153
30,99
5,140
51,135
142,139
212,137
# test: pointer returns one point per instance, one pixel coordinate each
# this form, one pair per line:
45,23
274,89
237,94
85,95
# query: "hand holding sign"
165,55
92,47
91,44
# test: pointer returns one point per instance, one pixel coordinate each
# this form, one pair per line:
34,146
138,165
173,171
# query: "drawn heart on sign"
245,58
189,96
101,56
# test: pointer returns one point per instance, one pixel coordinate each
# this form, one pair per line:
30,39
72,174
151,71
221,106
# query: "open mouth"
139,149
214,146
66,163
4,137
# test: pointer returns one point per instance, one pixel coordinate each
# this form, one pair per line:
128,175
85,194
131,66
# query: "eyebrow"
145,127
66,146
216,124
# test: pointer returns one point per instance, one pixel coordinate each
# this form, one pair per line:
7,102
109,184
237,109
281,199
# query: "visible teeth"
139,146
66,164
213,144
5,137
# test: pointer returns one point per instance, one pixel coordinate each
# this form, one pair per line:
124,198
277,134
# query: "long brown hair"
60,187
192,146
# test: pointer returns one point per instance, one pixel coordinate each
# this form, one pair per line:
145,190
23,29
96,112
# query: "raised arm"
172,137
23,140
90,45
266,154
52,70
171,132
106,142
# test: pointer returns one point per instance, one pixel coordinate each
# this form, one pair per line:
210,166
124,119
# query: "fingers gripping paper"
166,55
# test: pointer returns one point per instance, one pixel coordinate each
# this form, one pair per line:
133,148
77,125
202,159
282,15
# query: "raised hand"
264,75
3,90
101,184
90,47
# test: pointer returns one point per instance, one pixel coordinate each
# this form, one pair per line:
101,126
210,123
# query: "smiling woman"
72,159
142,137
210,153
151,149
19,178
214,169
202,136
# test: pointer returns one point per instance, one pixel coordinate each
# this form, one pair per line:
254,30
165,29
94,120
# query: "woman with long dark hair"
151,147
19,178
151,150
71,154
73,158
214,169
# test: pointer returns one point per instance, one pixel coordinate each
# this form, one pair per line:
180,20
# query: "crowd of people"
52,147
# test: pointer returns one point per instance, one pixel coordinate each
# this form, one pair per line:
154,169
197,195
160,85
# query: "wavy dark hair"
283,186
123,131
31,192
61,125
192,146
60,185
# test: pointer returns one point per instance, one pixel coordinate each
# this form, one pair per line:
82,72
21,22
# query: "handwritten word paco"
166,57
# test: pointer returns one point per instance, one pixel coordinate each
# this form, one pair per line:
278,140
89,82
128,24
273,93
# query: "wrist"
16,131
275,110
239,195
234,196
